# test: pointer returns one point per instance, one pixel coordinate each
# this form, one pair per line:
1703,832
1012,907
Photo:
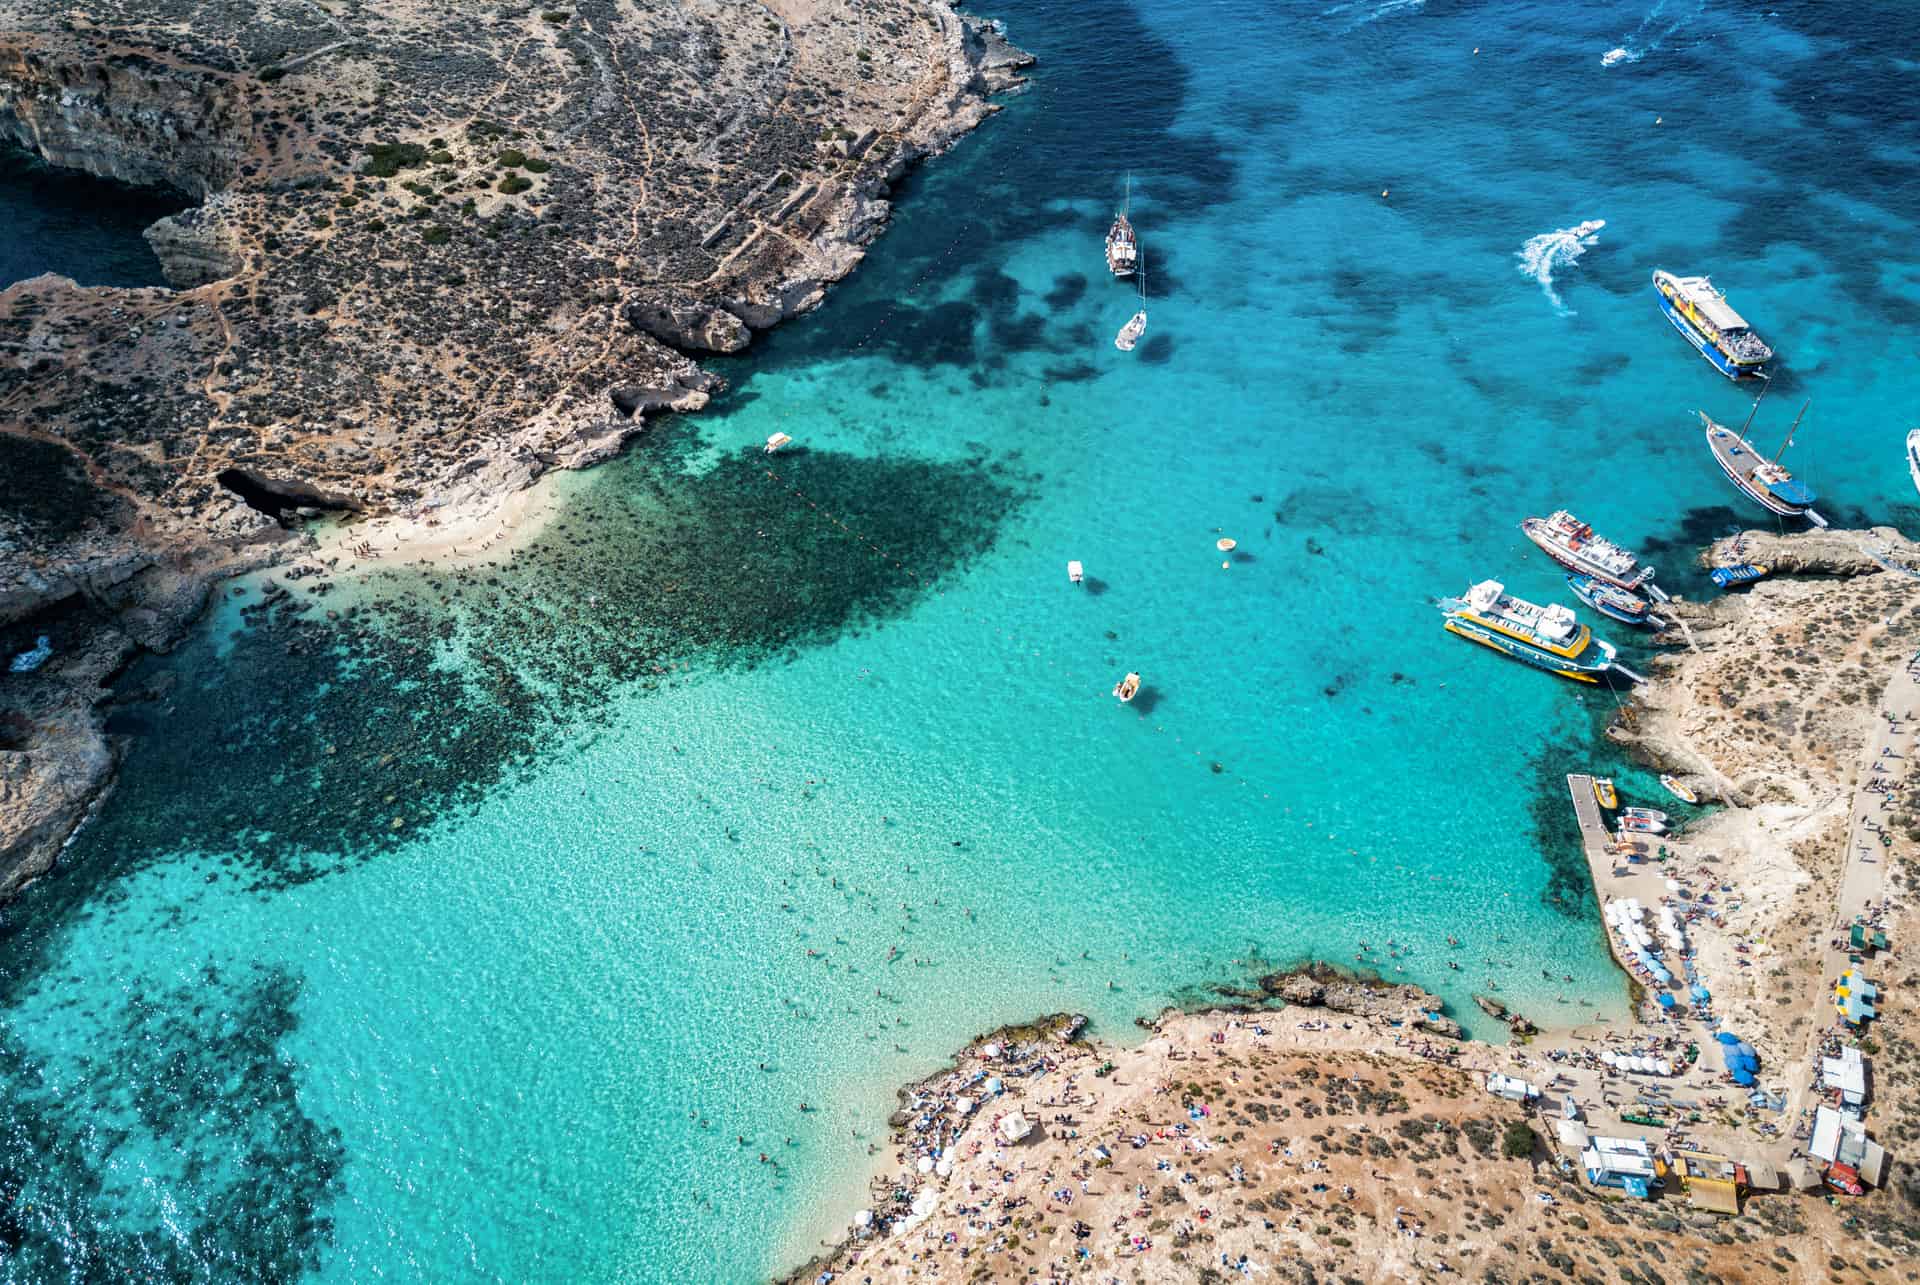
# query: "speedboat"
1678,789
1604,794
1651,814
1127,688
1913,457
1642,825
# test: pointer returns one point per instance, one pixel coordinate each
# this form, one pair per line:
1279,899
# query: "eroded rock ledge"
441,250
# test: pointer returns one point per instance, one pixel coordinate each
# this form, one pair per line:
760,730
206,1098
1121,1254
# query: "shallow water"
477,920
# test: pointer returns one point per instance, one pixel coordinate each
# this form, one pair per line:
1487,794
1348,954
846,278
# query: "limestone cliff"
440,250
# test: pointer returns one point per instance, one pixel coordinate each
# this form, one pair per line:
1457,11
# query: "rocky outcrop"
415,282
198,246
681,321
1812,553
127,115
56,758
1322,985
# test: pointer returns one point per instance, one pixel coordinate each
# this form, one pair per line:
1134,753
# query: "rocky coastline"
1263,1136
415,282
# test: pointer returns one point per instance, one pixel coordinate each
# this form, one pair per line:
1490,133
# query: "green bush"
440,156
384,160
438,234
1517,1142
535,165
555,16
513,184
376,225
512,158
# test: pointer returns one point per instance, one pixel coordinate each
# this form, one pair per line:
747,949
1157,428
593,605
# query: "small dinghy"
1076,572
1604,794
1136,325
1913,457
1742,573
1678,789
1127,688
1610,600
1642,825
777,441
1651,814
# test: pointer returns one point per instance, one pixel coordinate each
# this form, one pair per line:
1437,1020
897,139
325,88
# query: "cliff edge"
438,251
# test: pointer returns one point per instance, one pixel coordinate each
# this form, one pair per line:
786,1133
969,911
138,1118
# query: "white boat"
1123,247
1678,789
1913,457
1127,688
1130,333
1076,572
775,442
1651,814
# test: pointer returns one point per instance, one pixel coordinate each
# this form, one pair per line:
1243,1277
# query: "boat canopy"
1789,491
1484,595
1712,304
1556,621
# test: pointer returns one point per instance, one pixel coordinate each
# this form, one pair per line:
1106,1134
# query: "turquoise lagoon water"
462,937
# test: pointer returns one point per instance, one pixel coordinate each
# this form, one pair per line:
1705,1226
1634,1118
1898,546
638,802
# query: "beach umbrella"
1666,1000
945,1167
1673,885
864,1218
990,1050
995,1085
1727,1037
926,1164
1742,1076
1700,992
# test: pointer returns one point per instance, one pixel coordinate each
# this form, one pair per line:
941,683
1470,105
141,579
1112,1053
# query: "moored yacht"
1764,481
1123,247
1546,637
1703,317
1572,543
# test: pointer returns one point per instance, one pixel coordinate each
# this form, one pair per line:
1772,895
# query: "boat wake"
1547,253
1362,12
1651,33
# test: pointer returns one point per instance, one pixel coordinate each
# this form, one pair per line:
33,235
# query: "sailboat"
1136,325
1123,248
1762,480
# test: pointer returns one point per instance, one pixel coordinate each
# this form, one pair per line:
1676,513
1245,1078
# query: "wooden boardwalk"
1593,828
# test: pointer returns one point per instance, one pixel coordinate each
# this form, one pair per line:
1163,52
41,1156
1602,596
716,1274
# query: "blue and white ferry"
1701,314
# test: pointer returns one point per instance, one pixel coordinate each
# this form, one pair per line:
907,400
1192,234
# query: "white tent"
1848,1074
1015,1127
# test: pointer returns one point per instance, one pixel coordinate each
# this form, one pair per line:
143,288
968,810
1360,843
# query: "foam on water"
1653,31
1550,252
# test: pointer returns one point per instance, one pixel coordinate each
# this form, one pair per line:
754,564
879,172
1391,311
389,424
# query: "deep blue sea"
75,225
493,930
